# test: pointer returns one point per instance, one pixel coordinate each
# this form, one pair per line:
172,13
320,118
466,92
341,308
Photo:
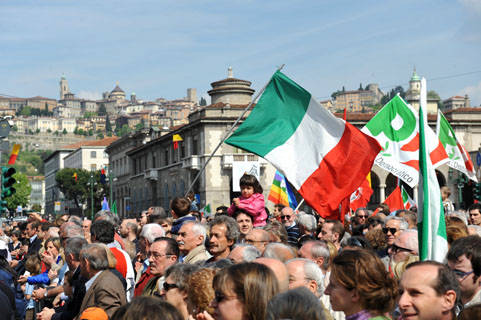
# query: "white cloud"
89,95
474,93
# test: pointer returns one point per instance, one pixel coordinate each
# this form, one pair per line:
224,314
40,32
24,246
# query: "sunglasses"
396,248
168,286
363,217
286,217
386,230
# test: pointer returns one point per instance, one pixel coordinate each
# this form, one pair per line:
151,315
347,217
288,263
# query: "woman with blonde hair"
360,286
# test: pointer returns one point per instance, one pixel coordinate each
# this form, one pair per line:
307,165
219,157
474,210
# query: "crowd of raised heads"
241,262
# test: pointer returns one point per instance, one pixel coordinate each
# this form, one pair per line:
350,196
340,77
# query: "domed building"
231,90
117,93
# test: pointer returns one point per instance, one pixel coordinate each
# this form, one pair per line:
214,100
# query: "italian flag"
408,202
433,243
324,158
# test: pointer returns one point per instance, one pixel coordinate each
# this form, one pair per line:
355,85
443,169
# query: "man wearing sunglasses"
464,258
404,251
288,219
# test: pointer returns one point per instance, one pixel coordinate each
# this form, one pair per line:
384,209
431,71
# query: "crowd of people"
243,262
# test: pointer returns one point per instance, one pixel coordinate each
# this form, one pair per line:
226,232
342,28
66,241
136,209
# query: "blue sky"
160,48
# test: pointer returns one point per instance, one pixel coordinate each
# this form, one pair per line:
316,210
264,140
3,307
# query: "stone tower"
192,95
63,87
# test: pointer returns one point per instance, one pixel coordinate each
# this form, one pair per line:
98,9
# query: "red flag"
394,201
360,197
344,116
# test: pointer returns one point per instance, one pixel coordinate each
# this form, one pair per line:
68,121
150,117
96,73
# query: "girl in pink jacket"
251,200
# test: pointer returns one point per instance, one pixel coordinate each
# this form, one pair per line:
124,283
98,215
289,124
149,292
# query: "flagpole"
299,205
229,132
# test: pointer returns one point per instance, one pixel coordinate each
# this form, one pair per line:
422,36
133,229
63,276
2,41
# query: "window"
93,167
93,154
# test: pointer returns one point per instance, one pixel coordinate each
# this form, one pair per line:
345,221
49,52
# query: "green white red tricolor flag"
408,202
396,128
459,158
433,244
323,157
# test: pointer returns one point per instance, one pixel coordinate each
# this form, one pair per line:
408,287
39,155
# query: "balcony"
193,162
228,159
151,174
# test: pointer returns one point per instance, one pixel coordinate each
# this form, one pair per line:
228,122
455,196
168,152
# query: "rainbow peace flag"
281,193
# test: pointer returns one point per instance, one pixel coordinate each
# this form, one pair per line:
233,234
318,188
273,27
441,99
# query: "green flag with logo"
459,158
396,128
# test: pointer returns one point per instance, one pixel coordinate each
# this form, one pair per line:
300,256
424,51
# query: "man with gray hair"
224,232
244,253
318,252
279,251
306,273
103,289
393,226
307,224
191,239
149,233
404,251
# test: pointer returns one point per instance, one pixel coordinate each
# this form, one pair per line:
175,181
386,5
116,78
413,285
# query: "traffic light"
477,191
7,187
7,182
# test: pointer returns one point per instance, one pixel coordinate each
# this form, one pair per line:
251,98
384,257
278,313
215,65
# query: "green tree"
102,110
15,128
36,207
64,131
433,95
125,130
108,125
37,131
203,102
22,194
139,126
91,132
79,190
360,87
26,111
49,130
75,131
100,135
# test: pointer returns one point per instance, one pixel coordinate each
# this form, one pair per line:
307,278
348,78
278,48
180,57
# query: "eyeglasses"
288,217
156,255
396,248
386,230
168,286
363,217
248,241
461,274
219,297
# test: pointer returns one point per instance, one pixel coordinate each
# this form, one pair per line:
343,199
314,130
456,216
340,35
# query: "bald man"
279,270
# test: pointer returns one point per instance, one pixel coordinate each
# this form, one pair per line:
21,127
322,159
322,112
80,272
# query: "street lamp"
111,178
92,184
